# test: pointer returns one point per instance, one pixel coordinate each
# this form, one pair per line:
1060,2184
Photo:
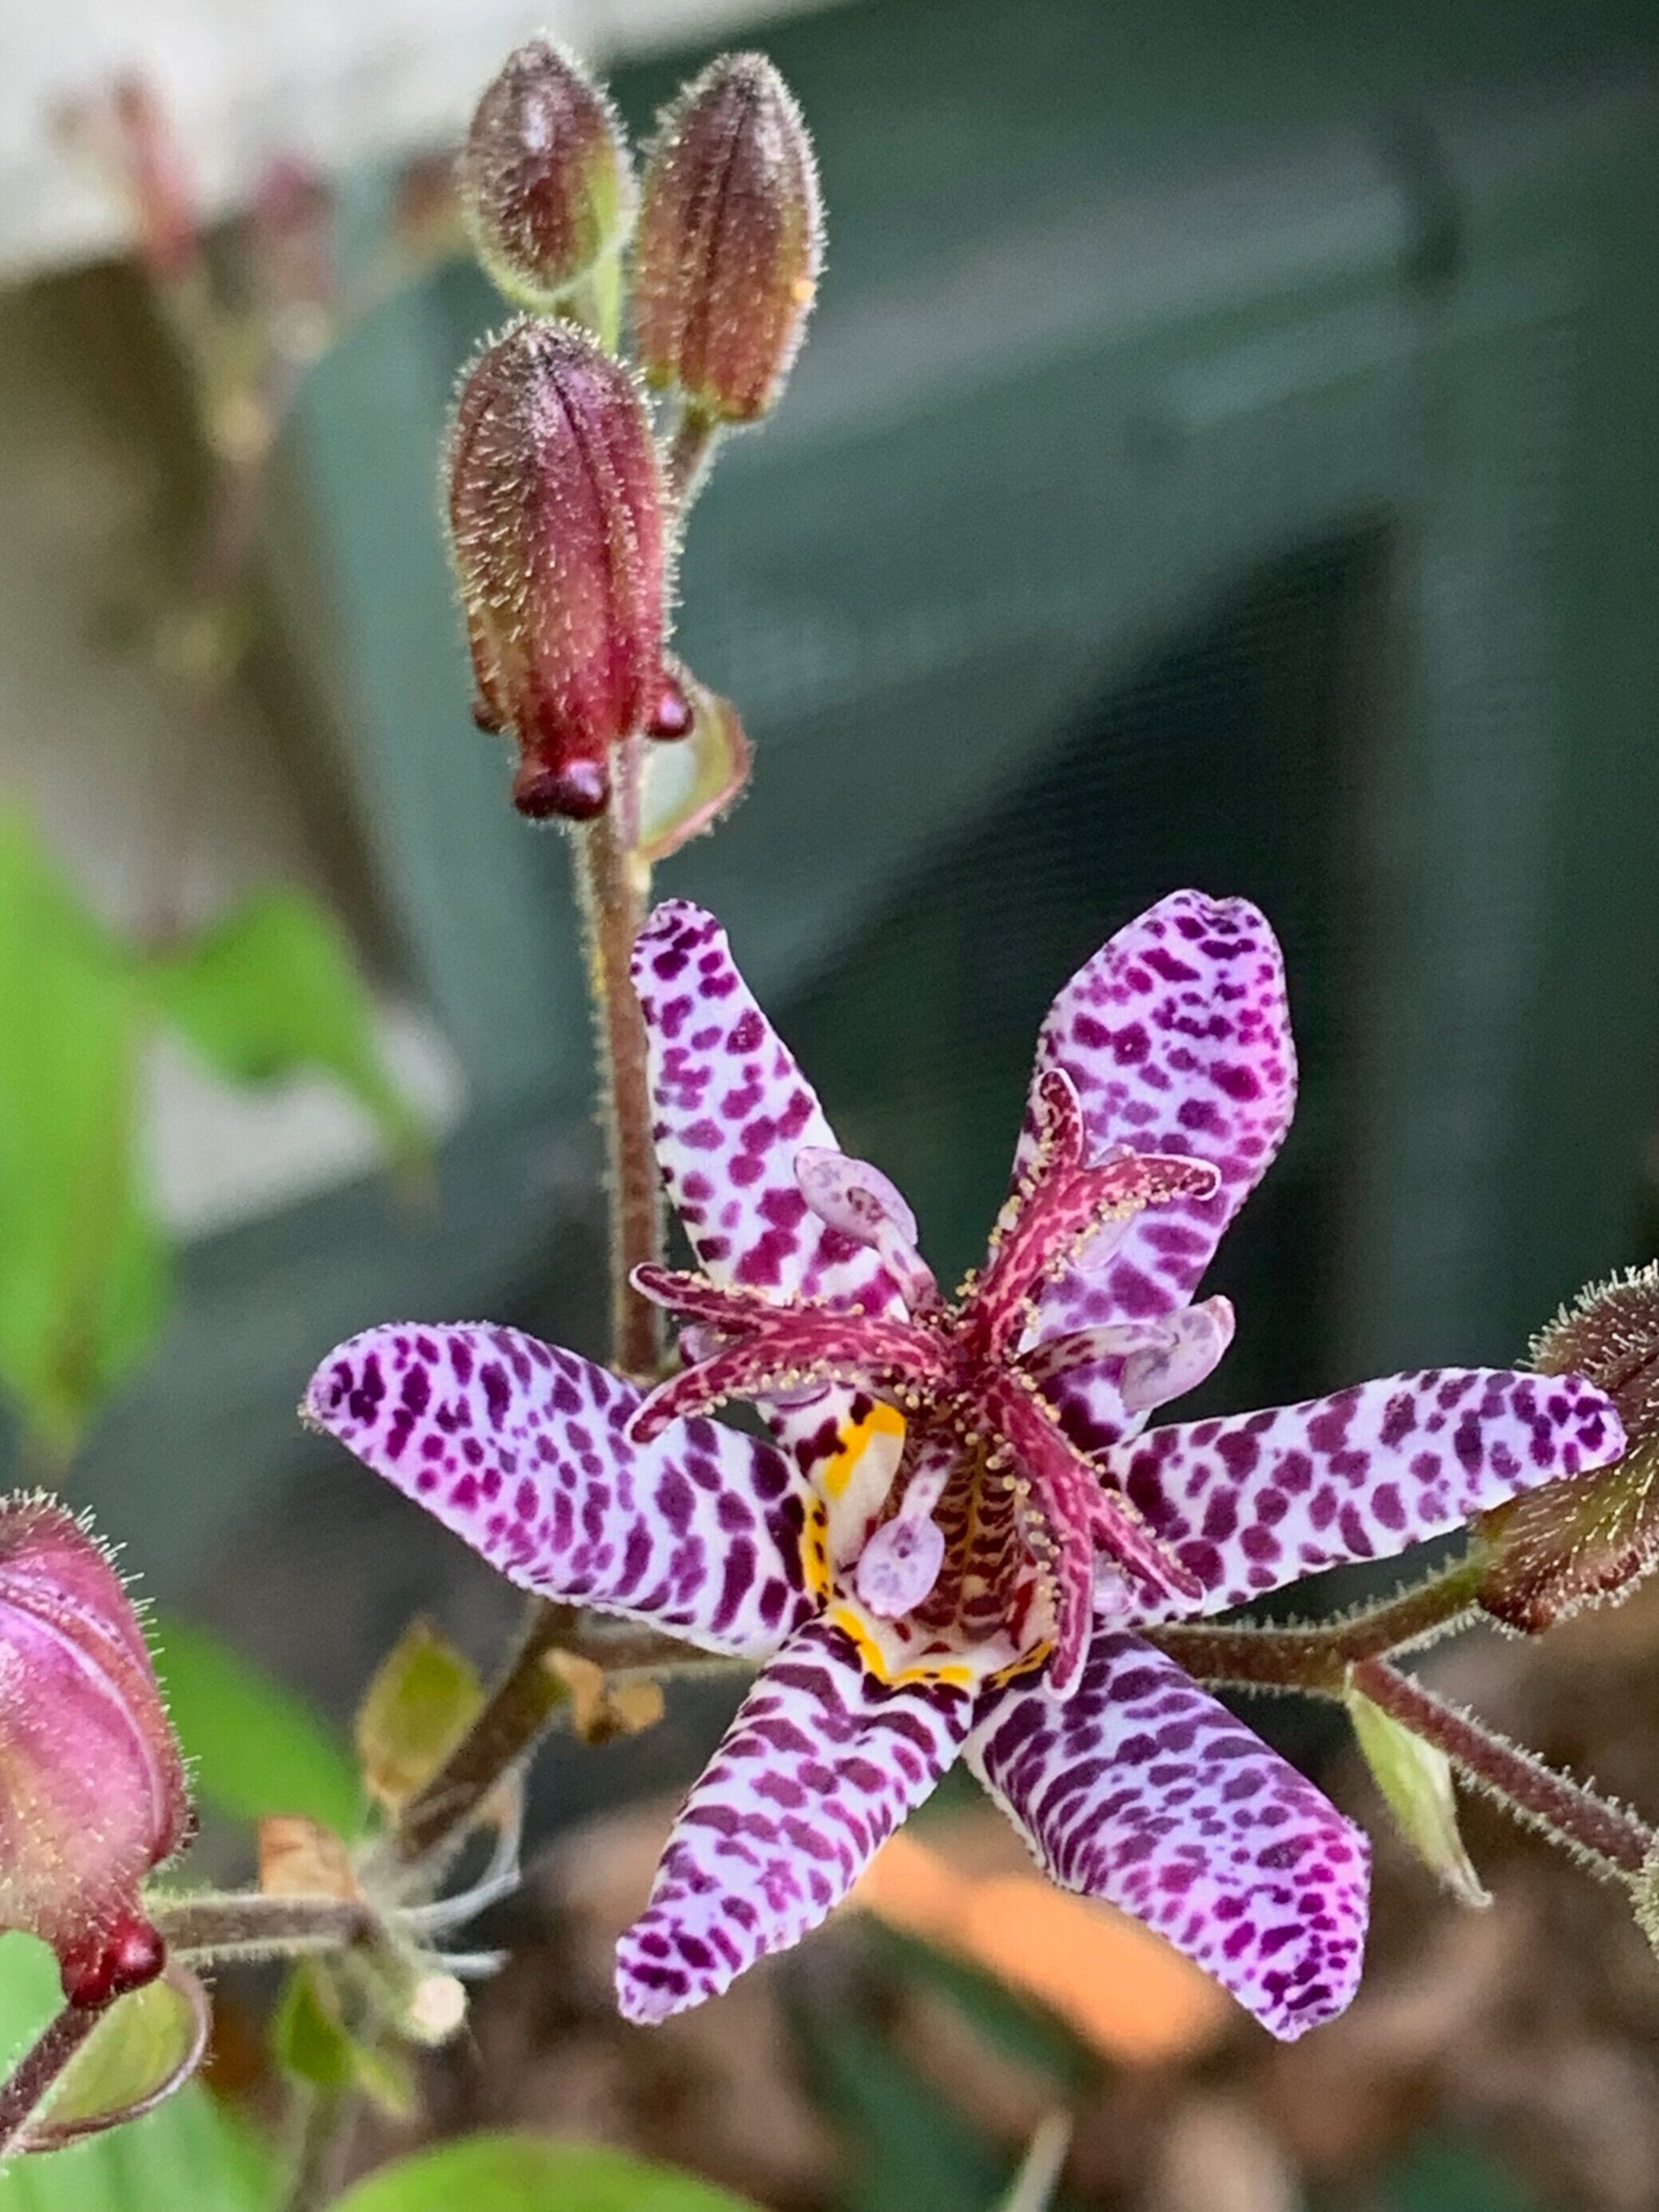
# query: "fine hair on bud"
562,551
1591,1540
544,176
730,241
94,1794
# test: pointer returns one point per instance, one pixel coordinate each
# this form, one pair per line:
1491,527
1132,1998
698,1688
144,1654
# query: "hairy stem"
514,1714
1318,1660
249,1924
691,451
39,2069
613,888
1613,1839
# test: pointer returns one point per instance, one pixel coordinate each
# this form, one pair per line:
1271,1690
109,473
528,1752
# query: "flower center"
979,1542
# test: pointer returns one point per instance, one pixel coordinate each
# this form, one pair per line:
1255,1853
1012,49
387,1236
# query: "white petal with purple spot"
1143,1789
522,1450
819,1767
1254,1500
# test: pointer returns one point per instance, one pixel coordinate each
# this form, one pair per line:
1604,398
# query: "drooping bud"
1591,1540
730,242
544,176
93,1795
556,519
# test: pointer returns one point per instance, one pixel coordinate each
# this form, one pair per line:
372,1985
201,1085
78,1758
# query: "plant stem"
1317,1660
248,1924
612,888
690,450
517,1710
1611,1837
39,2069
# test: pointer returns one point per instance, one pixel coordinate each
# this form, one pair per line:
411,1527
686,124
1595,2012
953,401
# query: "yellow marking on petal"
1032,1659
855,1441
878,1659
815,1550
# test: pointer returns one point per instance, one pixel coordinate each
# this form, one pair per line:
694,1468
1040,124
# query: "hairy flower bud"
1577,1543
544,176
94,1786
557,528
730,241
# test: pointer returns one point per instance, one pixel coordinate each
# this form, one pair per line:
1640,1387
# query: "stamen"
857,1199
1194,1341
900,1564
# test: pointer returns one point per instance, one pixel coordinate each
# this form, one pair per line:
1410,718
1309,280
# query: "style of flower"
963,1524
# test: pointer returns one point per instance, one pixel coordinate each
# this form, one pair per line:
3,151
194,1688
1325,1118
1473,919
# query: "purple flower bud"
93,1793
730,241
544,175
556,529
1591,1540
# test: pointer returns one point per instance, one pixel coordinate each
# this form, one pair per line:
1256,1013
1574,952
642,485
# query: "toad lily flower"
963,1524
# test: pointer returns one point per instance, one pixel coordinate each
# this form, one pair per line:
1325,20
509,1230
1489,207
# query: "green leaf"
1015,2026
420,1704
528,2173
313,2044
272,988
189,2152
1451,2173
83,1267
908,2149
1415,1778
143,2049
258,1747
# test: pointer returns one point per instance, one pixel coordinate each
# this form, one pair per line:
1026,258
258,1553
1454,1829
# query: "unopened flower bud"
1590,1540
544,176
94,1786
557,528
730,241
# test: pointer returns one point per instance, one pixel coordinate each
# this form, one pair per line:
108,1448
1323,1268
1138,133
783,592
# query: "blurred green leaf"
273,988
258,1746
313,2043
420,1704
83,1269
909,2150
1448,2173
308,2034
525,2173
1011,2024
188,2153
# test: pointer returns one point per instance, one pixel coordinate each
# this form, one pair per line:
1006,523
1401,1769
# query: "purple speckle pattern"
732,1111
1252,1501
1138,1787
1143,1789
1177,1036
522,1450
819,1767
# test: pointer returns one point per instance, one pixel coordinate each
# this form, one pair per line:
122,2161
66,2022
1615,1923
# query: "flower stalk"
39,2071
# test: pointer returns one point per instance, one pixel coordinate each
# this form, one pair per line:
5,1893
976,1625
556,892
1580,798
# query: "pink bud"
730,241
544,175
93,1787
556,529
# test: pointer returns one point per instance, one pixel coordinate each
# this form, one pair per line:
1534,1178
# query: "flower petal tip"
652,1983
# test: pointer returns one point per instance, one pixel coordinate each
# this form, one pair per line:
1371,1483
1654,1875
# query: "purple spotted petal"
1258,1499
1177,1036
733,1111
522,1450
1145,1790
819,1767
